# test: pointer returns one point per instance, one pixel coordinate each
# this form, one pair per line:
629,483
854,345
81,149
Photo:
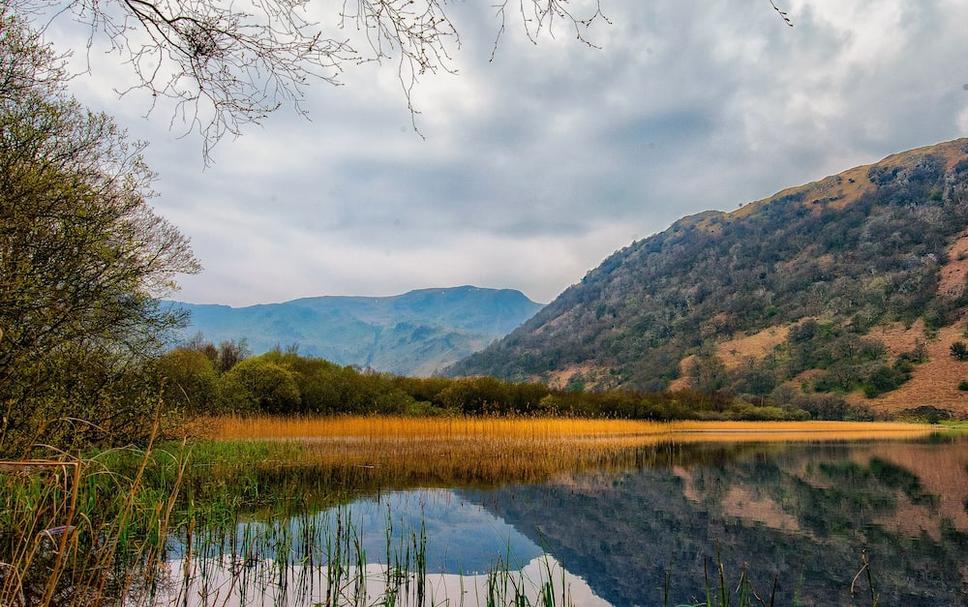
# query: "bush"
475,395
959,350
820,406
963,385
189,380
885,379
257,384
925,413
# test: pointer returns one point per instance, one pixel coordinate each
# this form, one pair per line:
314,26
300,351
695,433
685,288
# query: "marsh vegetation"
363,510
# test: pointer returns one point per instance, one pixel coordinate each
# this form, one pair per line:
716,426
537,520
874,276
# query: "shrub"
885,379
963,385
959,350
257,384
916,356
925,413
189,380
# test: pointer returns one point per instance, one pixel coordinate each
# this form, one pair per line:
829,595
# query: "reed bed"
368,453
265,427
396,427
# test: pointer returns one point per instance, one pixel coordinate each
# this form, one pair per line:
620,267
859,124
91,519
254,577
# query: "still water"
801,518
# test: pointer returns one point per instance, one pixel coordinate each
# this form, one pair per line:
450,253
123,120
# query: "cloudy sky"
537,165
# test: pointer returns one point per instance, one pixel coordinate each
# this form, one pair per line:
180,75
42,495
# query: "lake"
663,524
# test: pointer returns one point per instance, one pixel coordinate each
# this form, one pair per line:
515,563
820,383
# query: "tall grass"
400,451
70,528
503,427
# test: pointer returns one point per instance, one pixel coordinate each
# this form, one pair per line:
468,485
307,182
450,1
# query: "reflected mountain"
803,513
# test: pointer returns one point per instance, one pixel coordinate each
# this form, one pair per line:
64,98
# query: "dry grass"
932,383
402,452
735,351
375,427
518,428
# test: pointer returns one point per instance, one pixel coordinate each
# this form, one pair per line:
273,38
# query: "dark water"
803,514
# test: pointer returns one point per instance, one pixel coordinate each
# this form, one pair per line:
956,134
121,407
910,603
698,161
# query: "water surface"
804,514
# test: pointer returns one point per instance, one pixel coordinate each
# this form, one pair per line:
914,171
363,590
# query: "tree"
227,65
257,384
231,352
708,373
83,258
190,379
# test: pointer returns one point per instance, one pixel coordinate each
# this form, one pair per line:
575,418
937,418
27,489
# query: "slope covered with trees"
805,292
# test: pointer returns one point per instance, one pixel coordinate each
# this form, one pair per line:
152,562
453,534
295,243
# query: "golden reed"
408,451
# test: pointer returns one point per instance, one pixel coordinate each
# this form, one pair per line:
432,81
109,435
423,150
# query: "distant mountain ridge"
415,333
853,287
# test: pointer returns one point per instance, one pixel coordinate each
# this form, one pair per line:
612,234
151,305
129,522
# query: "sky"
530,169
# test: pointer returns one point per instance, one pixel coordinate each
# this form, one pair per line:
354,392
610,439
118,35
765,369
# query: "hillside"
849,288
415,333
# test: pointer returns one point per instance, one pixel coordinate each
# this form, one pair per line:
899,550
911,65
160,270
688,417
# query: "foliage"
281,382
83,258
959,350
708,373
259,384
191,377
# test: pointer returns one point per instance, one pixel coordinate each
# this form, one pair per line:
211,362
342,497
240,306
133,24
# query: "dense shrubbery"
925,414
283,382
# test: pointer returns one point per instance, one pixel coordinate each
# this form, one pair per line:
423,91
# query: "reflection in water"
224,587
801,513
804,513
434,539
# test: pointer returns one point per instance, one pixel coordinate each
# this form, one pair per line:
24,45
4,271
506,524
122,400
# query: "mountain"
416,333
851,287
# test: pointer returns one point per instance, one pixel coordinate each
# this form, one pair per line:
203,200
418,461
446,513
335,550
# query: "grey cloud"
540,163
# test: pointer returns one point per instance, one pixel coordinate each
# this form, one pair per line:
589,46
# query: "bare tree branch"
227,64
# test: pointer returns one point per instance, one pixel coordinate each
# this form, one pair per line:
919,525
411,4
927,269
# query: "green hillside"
416,333
852,286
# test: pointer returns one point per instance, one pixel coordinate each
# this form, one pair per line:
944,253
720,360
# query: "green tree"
83,257
258,384
189,380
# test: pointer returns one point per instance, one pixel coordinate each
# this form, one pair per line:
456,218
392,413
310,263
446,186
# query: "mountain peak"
417,332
